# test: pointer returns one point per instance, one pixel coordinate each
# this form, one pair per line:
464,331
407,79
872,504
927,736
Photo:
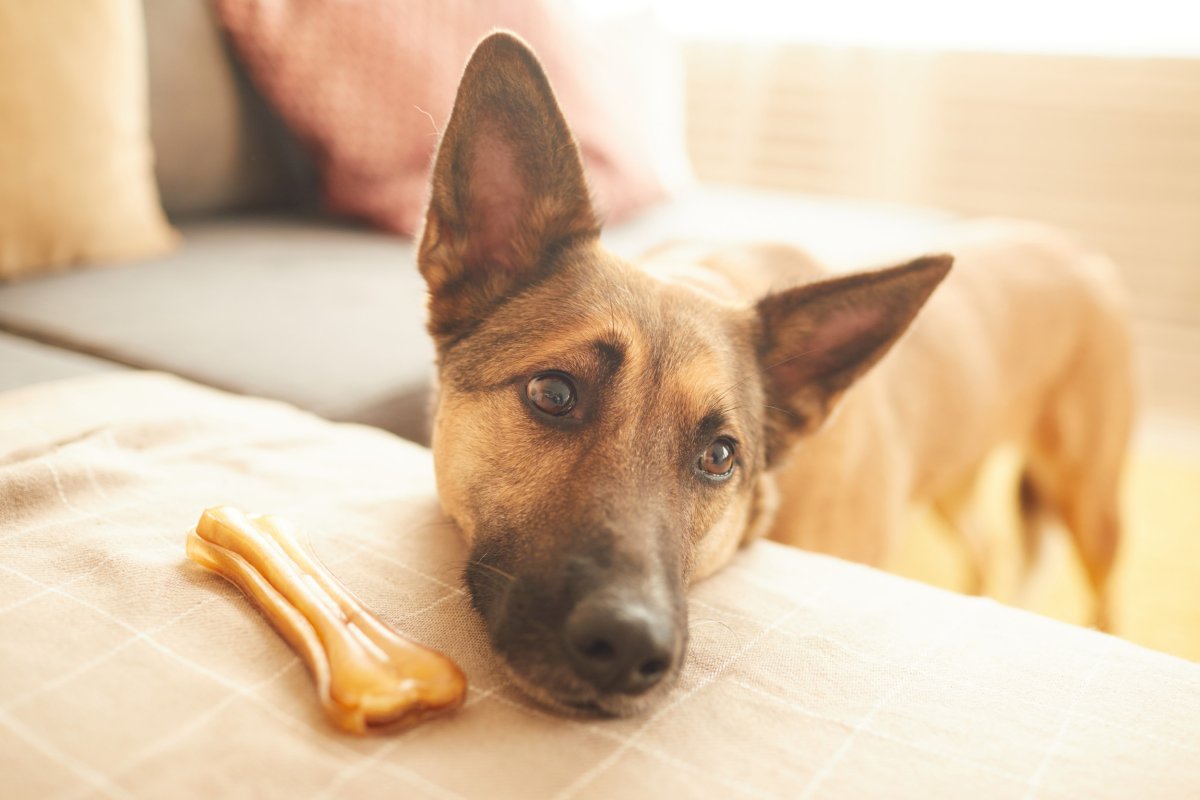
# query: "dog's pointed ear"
508,187
817,339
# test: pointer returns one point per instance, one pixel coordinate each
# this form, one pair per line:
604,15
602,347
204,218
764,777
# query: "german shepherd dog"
604,435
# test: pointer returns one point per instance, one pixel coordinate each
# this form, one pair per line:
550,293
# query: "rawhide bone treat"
368,676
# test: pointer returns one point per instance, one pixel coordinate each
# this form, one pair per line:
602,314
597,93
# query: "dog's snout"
620,645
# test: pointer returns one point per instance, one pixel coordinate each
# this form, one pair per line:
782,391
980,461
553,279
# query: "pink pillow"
367,84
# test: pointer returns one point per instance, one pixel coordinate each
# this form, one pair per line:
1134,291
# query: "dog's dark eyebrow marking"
612,355
713,423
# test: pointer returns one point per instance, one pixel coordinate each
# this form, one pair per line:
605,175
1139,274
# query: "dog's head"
603,438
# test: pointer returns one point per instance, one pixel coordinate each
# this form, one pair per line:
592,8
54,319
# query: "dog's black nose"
620,646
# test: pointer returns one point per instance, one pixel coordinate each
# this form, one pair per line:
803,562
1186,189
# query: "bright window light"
1103,27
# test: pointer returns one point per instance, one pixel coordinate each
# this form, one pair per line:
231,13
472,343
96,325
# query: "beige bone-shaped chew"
368,677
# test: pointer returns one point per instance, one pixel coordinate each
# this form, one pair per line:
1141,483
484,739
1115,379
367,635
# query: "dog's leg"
959,509
1032,506
1078,453
1093,519
1036,515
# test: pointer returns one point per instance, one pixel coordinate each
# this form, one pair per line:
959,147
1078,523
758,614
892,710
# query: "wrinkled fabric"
127,671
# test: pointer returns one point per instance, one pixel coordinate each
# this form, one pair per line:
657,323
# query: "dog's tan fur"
1023,343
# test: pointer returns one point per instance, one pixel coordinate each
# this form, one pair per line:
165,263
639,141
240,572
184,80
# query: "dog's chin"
578,700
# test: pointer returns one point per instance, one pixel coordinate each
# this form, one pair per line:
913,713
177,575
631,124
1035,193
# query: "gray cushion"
327,318
24,362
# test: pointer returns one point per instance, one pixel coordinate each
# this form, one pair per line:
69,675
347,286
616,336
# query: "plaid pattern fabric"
126,671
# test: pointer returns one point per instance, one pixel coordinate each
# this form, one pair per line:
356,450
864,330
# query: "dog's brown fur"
1024,342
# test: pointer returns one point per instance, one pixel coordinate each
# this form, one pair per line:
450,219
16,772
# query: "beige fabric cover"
76,169
126,671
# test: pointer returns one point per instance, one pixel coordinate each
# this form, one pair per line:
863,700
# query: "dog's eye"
717,459
552,393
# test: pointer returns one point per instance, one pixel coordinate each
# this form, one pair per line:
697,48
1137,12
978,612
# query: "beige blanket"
126,671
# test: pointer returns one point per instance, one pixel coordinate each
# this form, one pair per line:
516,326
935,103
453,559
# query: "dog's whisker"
508,576
728,410
722,395
432,122
479,560
695,623
781,362
489,580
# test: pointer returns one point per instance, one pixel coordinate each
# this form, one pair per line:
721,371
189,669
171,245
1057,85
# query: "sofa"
133,395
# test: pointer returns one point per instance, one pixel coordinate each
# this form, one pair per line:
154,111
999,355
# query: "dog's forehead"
600,309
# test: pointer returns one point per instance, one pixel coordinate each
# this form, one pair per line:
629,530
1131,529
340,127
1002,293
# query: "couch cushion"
127,671
27,362
328,318
367,86
76,167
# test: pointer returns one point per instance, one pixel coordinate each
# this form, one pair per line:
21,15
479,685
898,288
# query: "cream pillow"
76,168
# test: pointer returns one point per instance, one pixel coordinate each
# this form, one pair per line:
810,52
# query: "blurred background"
1085,115
250,174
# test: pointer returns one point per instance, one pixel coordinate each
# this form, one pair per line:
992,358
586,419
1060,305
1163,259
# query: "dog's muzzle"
588,626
